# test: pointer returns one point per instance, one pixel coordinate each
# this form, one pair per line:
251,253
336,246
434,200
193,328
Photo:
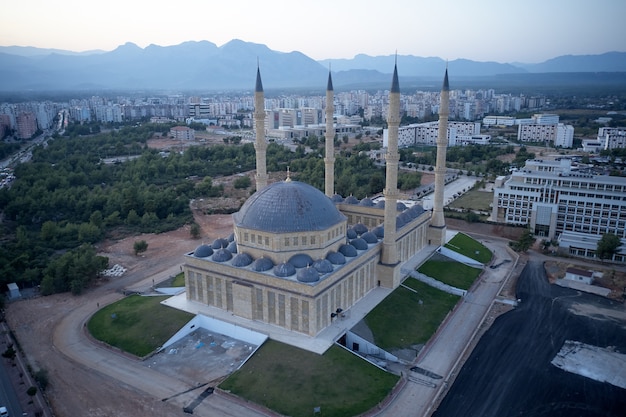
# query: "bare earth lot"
73,389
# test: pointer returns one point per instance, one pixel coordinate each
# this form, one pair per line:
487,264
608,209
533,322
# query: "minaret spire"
260,145
390,252
329,159
437,232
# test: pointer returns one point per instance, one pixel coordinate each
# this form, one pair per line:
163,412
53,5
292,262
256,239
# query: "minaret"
260,145
390,253
329,160
437,231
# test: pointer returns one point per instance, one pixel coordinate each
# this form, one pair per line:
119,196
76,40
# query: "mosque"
298,258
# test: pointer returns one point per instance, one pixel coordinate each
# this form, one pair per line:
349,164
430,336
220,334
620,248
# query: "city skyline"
485,30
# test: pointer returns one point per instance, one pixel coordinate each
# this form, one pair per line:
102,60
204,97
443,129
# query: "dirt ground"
72,387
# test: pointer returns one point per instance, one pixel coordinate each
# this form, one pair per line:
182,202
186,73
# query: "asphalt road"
8,396
509,372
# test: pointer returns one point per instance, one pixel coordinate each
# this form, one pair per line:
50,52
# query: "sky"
527,31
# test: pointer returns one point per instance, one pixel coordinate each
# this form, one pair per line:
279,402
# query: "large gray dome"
286,207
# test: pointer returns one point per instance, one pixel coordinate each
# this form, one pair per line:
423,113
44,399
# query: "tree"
242,182
140,246
525,241
194,231
472,217
608,246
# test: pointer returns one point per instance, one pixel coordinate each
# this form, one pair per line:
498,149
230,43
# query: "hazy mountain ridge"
205,66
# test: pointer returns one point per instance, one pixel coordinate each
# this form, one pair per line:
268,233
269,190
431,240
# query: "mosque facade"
298,257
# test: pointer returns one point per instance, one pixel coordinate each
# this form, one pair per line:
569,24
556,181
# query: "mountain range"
197,66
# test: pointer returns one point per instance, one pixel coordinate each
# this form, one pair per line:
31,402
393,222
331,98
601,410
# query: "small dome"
301,260
359,244
232,247
219,244
231,237
222,255
400,206
336,258
284,270
348,251
406,217
380,204
203,251
262,264
379,231
351,233
351,200
323,266
399,222
360,228
411,213
366,202
369,237
417,210
337,198
241,259
308,275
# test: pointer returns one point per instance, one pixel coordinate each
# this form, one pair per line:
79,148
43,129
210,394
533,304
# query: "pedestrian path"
447,347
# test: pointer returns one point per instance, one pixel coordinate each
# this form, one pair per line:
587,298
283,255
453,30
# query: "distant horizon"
95,51
530,32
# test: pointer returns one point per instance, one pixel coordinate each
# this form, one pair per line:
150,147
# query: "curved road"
70,339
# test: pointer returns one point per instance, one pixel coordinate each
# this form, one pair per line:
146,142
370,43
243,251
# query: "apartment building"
612,137
26,125
559,134
459,133
557,200
182,132
290,118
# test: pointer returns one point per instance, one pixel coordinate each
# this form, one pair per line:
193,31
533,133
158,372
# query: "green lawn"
293,381
469,247
475,200
450,272
401,321
286,379
179,280
137,324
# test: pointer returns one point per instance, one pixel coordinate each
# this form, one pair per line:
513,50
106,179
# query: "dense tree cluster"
67,196
76,189
7,149
475,158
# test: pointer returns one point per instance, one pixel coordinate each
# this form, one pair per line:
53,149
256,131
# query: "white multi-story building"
612,137
545,119
564,136
182,132
426,133
109,113
561,135
558,201
498,121
536,133
289,118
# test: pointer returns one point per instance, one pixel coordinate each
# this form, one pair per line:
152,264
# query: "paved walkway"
444,352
